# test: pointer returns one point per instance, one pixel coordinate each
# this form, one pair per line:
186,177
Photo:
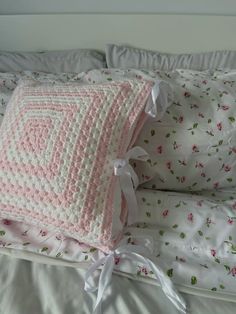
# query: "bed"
59,289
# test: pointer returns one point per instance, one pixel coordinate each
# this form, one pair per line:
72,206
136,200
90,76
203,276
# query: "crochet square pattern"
57,146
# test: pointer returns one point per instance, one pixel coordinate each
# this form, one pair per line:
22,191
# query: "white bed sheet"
29,287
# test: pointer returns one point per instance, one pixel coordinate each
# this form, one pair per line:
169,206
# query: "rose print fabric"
182,231
193,147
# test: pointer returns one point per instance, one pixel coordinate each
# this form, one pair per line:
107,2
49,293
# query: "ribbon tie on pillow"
129,179
138,254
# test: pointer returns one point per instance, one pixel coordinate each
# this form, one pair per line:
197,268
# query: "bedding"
128,57
53,138
192,143
67,61
193,146
26,98
45,290
181,230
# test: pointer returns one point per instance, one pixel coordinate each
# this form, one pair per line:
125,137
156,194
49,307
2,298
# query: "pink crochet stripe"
52,169
88,214
138,104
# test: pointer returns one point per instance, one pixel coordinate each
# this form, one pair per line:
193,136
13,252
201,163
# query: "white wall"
227,7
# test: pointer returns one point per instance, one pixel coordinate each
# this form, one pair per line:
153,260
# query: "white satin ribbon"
138,254
129,179
159,100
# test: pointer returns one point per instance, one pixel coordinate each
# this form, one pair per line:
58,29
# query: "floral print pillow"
193,147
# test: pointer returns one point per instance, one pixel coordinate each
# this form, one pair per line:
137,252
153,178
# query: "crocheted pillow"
57,147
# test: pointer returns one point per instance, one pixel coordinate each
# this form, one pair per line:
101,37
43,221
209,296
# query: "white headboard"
167,33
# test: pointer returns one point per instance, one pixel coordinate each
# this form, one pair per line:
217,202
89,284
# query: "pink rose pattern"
198,128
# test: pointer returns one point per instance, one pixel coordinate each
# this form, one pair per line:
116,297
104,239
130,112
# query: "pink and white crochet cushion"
57,146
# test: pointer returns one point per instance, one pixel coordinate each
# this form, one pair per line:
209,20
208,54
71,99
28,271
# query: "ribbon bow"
129,179
133,253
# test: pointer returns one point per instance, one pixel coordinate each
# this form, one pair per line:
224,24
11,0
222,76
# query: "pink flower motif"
201,115
190,217
7,222
165,213
159,149
234,205
181,119
199,165
43,233
225,107
168,165
233,271
203,174
233,149
147,177
230,221
117,260
182,179
227,168
216,185
195,148
199,203
187,94
144,270
219,126
204,82
213,252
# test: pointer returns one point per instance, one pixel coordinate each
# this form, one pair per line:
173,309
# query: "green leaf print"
193,280
93,249
214,289
222,286
167,135
200,233
217,260
153,132
227,267
58,255
182,235
2,232
44,249
195,125
229,179
148,214
159,202
161,232
26,243
209,121
175,226
231,119
86,257
170,272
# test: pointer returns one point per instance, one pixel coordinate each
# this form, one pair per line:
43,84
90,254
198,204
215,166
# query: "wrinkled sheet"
31,287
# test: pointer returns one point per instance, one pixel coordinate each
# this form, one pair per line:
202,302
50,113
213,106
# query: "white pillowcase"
193,147
128,57
67,61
